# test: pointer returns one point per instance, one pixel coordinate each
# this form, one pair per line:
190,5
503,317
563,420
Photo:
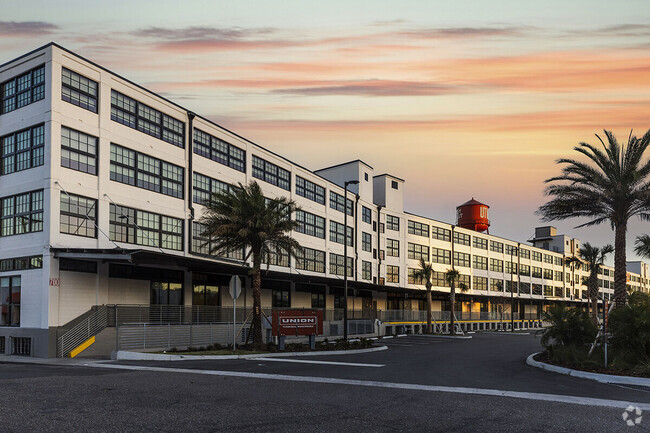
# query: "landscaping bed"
592,365
325,345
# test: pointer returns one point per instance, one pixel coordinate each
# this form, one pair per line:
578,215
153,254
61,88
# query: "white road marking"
304,361
583,401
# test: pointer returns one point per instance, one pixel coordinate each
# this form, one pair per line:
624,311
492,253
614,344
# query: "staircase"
90,326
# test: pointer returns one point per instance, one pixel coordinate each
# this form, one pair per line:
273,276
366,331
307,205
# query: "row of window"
21,263
22,90
22,150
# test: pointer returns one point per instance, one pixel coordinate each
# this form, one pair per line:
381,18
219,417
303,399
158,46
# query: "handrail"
89,327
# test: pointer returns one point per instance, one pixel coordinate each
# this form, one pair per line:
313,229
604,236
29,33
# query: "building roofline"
389,175
54,44
344,163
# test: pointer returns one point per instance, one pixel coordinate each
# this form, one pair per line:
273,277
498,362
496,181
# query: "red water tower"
473,215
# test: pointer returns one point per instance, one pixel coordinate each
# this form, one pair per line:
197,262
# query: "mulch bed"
543,357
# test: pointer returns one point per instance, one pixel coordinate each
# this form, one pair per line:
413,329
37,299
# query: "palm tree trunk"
452,318
429,330
593,296
620,271
256,324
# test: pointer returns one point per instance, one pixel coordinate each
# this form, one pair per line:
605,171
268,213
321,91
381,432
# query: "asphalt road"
400,390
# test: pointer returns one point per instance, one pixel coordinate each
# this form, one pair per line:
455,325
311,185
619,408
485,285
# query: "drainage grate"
21,346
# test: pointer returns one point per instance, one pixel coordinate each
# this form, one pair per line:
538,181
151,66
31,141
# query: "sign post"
235,290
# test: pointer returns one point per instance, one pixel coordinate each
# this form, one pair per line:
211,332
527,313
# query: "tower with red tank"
473,215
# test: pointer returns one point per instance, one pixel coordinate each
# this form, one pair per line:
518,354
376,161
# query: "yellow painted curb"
83,346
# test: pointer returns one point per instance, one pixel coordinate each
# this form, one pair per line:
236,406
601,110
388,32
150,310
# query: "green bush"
568,327
629,327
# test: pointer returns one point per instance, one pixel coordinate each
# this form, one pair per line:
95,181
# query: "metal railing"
444,316
82,331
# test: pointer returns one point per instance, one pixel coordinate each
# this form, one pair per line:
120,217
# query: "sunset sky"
460,98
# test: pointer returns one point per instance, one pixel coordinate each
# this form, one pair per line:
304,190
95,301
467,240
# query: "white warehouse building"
101,186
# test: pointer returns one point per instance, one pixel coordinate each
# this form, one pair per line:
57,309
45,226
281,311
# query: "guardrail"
82,331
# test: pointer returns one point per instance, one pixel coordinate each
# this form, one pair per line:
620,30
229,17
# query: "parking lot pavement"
487,361
418,384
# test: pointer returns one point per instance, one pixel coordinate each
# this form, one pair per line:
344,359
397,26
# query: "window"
22,90
78,90
280,298
480,243
366,270
524,254
275,258
441,256
366,214
22,150
311,260
537,256
537,289
440,233
537,272
271,173
495,246
366,241
146,172
10,301
548,290
462,238
133,226
496,285
21,263
548,259
318,299
480,283
392,247
418,252
78,151
22,213
205,294
310,190
220,151
496,265
392,222
205,186
310,224
392,274
418,229
511,267
461,259
410,277
511,250
524,288
548,274
558,261
136,115
337,265
524,270
439,279
73,265
479,262
558,276
336,203
336,233
511,287
205,246
78,215
393,184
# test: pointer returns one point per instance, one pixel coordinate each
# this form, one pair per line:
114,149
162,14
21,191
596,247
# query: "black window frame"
480,243
440,255
462,259
462,238
141,177
310,190
336,203
8,301
392,223
271,173
35,90
310,259
200,194
392,274
480,262
417,228
417,251
203,246
366,215
366,242
496,265
87,221
366,270
21,264
336,233
36,207
86,155
134,228
337,265
35,150
81,90
441,233
142,118
392,247
218,150
496,246
310,224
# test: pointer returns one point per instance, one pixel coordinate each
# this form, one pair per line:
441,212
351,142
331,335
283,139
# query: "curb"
506,333
458,337
598,377
123,355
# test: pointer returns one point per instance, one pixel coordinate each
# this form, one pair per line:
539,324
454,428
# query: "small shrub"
630,332
568,327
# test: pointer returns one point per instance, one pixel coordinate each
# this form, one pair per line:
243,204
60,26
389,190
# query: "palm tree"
243,219
615,189
423,274
592,258
642,246
451,276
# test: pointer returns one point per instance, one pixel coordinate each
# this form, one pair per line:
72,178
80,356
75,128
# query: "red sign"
297,322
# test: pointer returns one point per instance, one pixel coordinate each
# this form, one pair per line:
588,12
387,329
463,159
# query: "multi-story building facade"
101,190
